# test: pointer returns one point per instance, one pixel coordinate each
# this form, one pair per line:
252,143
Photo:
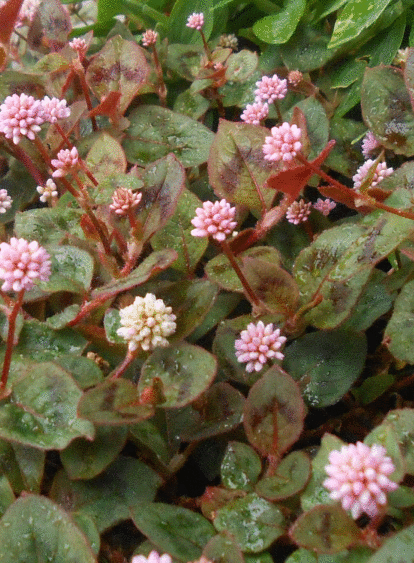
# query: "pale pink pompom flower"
124,200
21,263
255,113
5,201
48,191
80,46
258,344
381,172
54,109
270,89
298,212
153,557
369,144
358,477
21,116
325,206
195,21
66,161
295,77
149,38
283,144
215,220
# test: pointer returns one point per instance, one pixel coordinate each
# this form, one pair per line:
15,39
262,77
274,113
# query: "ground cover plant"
206,265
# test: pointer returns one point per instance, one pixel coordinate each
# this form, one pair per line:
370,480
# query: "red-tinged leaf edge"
293,180
108,106
8,16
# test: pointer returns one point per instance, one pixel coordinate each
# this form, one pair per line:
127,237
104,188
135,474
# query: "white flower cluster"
146,323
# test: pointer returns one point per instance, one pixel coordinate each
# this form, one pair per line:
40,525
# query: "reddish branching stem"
10,342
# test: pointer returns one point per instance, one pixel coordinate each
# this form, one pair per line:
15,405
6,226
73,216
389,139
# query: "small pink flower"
66,161
369,144
358,477
21,116
195,21
254,113
257,344
49,191
295,77
270,89
325,206
123,200
149,38
215,220
27,12
21,262
54,109
298,212
153,557
80,46
284,143
5,201
380,173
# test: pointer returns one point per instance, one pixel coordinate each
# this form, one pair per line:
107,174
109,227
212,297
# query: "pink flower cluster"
80,46
325,206
215,220
123,200
66,161
369,144
22,116
155,557
381,172
258,344
5,201
270,89
149,38
195,21
358,477
298,212
283,144
255,113
21,262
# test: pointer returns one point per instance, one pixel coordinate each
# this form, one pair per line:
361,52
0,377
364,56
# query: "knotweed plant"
207,265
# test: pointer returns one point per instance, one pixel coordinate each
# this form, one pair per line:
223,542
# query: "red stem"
129,358
228,252
10,342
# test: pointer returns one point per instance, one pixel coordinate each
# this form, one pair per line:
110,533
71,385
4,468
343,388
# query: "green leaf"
326,364
224,304
254,522
106,157
307,49
31,462
315,493
354,18
185,60
402,421
400,331
386,435
153,264
83,370
398,548
35,529
6,495
222,410
108,498
149,436
278,28
190,300
190,104
338,264
41,409
72,270
274,413
178,531
108,9
386,108
325,528
290,477
241,65
155,131
114,402
240,467
164,181
51,21
39,342
236,168
176,234
120,66
47,225
87,526
222,547
317,124
84,459
184,372
60,320
373,387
